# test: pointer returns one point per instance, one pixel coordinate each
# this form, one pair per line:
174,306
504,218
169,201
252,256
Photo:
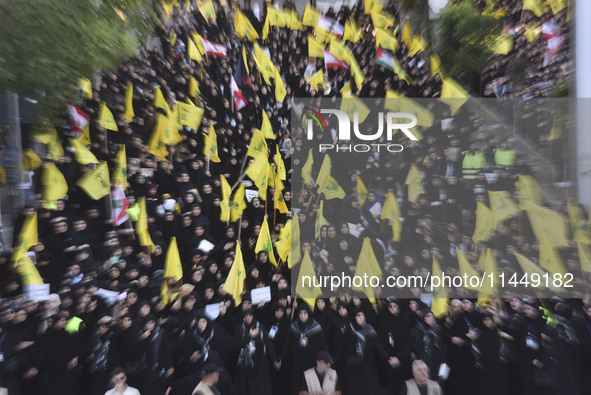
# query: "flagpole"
109,204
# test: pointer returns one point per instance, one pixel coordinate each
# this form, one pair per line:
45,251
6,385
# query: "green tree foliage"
463,39
47,45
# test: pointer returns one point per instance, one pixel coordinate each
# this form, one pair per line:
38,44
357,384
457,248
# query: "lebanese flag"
331,26
384,59
120,204
78,118
239,100
214,49
331,61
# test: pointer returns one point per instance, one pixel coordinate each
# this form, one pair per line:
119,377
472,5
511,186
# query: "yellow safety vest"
504,157
472,164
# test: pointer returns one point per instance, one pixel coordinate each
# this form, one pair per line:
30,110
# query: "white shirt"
128,391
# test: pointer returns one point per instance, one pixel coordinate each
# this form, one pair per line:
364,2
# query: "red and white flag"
384,59
120,204
214,49
330,25
331,61
239,100
78,118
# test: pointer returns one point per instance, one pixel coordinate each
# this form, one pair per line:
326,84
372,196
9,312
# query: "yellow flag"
280,91
556,130
340,50
320,221
198,40
258,146
577,221
84,138
266,127
391,211
296,23
532,31
82,154
264,64
367,265
170,130
51,139
281,171
557,5
234,284
484,223
414,182
306,279
315,49
27,270
351,31
96,183
386,39
453,94
351,105
264,242
417,44
278,200
322,36
316,79
225,204
28,235
440,302
435,65
105,117
311,16
257,168
243,27
584,257
210,149
370,6
190,115
156,146
466,268
535,6
193,88
529,191
488,263
501,206
159,101
128,112
406,33
54,184
361,190
347,88
502,45
85,86
173,267
548,226
30,160
207,10
141,226
307,168
324,171
528,267
165,296
193,52
283,245
398,103
327,184
550,259
296,246
238,204
382,19
399,70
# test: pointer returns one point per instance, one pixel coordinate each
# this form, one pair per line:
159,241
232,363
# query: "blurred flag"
128,113
214,49
306,279
243,27
141,226
105,117
96,183
311,16
414,182
85,86
331,26
234,284
453,94
120,204
361,190
238,204
484,223
54,184
173,267
367,265
440,302
210,149
315,49
82,154
502,206
265,243
331,62
320,221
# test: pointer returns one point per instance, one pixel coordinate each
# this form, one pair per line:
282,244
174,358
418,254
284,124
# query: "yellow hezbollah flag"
584,257
105,117
193,52
234,284
141,226
435,65
96,183
382,19
85,86
54,184
27,270
283,245
466,267
207,10
190,115
370,6
316,79
281,171
386,39
128,113
340,50
577,222
453,94
440,301
398,103
266,127
351,105
557,5
315,49
238,204
264,64
550,259
417,44
528,267
484,223
535,6
296,23
529,191
414,182
160,102
320,220
278,200
156,146
311,16
488,263
243,27
501,206
264,242
391,211
361,190
306,279
225,205
307,168
210,149
30,160
193,87
82,154
280,91
351,31
172,264
367,265
549,226
258,146
406,33
296,247
28,235
502,44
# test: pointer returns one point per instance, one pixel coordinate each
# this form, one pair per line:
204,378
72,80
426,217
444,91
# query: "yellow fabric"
54,184
307,291
105,118
234,284
484,223
415,184
367,265
172,264
96,184
128,112
265,243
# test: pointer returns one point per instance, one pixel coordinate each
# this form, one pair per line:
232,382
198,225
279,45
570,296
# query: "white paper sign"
205,246
212,311
110,297
259,294
249,193
37,292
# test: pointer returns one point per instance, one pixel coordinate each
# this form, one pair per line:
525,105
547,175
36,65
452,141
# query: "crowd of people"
107,324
